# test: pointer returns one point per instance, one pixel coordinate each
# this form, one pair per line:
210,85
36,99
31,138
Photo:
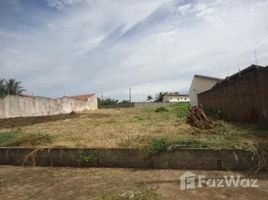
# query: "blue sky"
68,47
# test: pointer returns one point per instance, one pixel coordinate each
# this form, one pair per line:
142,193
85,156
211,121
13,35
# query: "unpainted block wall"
241,98
18,106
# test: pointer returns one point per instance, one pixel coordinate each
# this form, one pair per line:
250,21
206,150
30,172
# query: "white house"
175,97
200,84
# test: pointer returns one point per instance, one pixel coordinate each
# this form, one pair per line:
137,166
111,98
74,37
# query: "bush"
108,101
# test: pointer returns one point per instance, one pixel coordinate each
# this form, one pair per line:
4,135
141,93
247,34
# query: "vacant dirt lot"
128,127
92,183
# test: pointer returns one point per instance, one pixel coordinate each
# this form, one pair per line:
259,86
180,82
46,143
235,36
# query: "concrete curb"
194,159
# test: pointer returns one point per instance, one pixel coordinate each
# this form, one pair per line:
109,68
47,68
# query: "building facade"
200,84
175,97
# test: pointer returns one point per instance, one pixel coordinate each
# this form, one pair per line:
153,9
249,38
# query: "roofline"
176,95
250,68
91,94
207,77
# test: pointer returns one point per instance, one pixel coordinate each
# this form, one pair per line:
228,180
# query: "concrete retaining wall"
202,159
19,106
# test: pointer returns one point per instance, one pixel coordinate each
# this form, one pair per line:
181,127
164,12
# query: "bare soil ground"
127,127
91,183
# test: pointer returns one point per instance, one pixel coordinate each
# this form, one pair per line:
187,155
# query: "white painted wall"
18,106
198,85
174,99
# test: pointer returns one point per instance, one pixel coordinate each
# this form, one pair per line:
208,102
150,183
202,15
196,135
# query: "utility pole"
101,95
129,95
255,54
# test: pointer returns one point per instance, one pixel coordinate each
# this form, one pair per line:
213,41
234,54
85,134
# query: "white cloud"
151,46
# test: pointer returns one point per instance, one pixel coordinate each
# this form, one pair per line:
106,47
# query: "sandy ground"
102,183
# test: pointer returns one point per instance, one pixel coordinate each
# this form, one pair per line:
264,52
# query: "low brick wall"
201,159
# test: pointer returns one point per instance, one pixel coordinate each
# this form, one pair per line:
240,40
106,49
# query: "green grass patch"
157,145
181,109
8,139
7,136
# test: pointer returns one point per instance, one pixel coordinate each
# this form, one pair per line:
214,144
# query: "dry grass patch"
137,127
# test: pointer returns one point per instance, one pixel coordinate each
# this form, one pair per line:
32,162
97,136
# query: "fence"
241,97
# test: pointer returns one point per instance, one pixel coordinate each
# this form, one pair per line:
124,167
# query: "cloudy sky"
58,47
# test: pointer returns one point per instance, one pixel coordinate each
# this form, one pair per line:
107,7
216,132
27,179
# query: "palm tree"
159,97
13,87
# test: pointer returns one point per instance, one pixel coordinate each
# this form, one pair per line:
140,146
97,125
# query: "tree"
13,87
149,98
108,101
159,97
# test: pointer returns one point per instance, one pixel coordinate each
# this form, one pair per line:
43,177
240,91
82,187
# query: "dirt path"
92,183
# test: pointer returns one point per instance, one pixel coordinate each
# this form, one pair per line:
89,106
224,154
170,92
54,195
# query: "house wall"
175,99
243,98
199,85
18,106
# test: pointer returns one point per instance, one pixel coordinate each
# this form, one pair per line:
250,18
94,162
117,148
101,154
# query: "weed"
161,109
157,145
85,158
